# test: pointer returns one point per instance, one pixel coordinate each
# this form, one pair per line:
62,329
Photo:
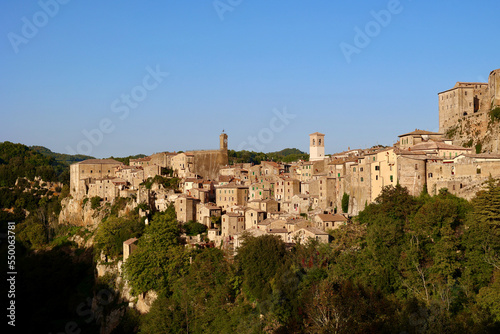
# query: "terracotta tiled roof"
418,132
331,218
432,145
100,161
141,159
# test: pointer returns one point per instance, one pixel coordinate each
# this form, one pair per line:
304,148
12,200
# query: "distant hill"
288,151
126,160
60,157
18,160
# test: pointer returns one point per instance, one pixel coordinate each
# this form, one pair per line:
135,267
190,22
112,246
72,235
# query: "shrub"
495,114
479,147
194,228
95,202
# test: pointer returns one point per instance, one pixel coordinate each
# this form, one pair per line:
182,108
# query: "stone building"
232,223
416,137
185,208
231,194
253,217
286,188
205,212
85,172
464,175
467,98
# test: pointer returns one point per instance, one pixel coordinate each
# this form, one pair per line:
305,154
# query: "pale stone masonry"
303,199
85,172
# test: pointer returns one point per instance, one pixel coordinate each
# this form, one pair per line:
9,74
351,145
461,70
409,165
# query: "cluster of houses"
293,201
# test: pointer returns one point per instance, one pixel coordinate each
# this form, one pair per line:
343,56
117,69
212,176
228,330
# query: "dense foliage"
65,159
19,161
495,114
166,182
285,155
193,228
408,264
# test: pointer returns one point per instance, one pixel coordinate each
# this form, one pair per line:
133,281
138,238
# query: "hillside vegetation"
285,155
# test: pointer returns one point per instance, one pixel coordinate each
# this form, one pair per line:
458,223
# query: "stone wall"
412,173
207,163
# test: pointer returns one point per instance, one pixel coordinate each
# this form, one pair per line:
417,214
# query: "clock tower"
223,141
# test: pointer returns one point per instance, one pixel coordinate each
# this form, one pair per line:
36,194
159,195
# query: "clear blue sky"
230,68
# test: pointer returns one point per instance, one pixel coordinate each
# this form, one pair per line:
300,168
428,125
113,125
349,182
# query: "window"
361,179
354,169
319,141
361,169
430,175
373,158
392,179
416,166
338,174
478,170
376,177
377,167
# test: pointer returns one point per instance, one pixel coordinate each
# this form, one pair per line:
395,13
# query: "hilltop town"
303,199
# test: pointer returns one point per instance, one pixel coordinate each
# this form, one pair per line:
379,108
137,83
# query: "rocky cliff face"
477,131
75,212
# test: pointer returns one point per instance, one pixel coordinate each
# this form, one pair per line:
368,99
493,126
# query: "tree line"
407,264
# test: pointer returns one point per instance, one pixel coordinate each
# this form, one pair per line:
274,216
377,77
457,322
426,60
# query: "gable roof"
331,218
418,132
100,161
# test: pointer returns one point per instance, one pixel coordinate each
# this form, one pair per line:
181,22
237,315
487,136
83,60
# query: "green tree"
482,237
345,203
259,259
159,259
112,232
385,220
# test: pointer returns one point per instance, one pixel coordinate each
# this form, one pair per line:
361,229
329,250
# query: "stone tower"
316,146
223,141
494,82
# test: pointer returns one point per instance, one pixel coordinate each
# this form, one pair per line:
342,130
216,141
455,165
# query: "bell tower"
316,146
223,141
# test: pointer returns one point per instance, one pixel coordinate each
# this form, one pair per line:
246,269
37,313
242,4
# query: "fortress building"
468,98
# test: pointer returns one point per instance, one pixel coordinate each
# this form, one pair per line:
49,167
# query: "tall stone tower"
316,146
494,82
223,141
